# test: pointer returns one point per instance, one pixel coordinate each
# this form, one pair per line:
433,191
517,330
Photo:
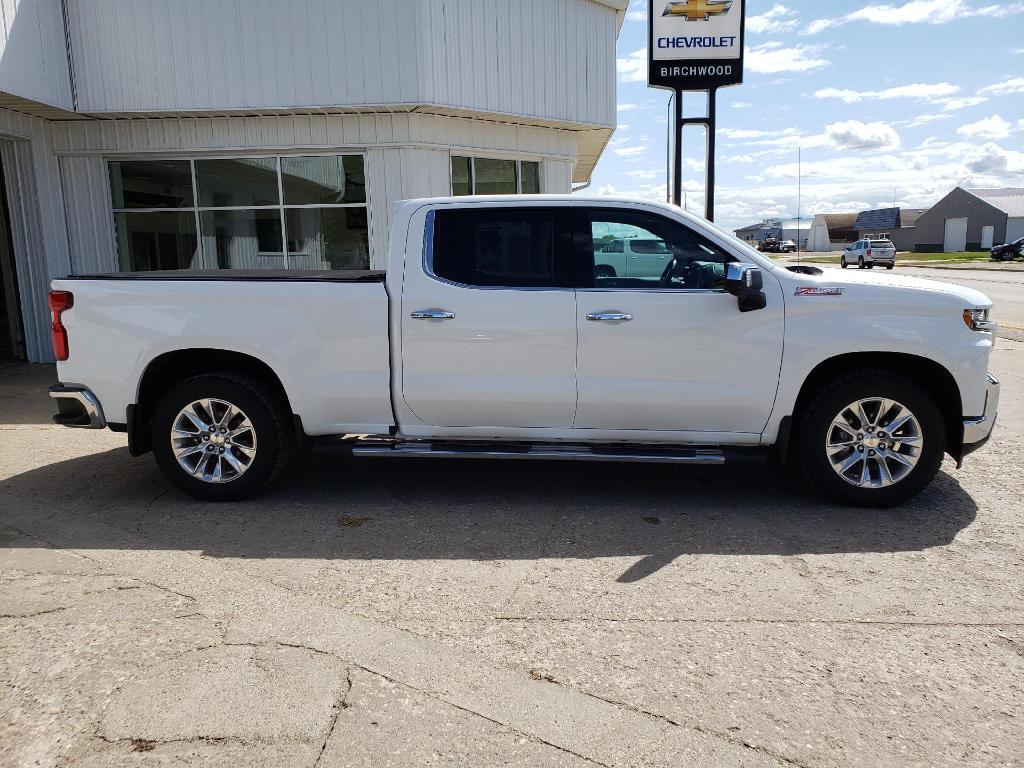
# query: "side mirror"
745,282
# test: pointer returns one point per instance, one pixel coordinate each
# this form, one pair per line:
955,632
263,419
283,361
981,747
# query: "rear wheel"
221,436
860,262
872,439
603,270
889,266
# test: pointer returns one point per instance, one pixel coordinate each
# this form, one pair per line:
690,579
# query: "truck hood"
865,278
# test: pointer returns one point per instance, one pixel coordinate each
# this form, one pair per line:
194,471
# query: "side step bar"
648,454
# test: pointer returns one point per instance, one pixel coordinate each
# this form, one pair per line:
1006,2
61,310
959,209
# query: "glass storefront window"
242,239
237,182
530,178
462,177
490,176
323,180
237,221
151,183
151,241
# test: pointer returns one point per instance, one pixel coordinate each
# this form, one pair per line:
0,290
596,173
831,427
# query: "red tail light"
60,301
869,251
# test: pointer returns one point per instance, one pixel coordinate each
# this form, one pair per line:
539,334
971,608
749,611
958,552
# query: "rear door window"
503,248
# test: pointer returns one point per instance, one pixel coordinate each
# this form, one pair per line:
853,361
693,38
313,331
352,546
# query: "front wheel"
221,436
872,439
842,262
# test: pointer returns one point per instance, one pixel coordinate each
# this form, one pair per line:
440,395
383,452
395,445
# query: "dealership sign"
695,45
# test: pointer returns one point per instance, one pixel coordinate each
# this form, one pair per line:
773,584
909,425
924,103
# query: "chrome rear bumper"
77,407
978,430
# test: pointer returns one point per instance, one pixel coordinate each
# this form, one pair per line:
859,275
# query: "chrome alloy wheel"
874,442
213,441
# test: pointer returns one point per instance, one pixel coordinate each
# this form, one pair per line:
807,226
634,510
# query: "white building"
144,134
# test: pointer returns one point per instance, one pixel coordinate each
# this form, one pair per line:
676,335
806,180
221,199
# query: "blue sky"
902,100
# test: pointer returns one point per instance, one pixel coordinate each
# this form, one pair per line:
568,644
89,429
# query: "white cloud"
632,68
774,57
992,159
913,12
1005,88
911,91
742,104
1002,11
990,128
853,134
960,102
778,18
627,107
634,151
637,10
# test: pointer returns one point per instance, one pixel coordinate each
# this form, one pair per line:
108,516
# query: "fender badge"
813,290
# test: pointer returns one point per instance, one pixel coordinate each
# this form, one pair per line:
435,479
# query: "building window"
490,176
285,212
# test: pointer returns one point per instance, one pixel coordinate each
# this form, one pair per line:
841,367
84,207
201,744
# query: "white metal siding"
551,59
37,221
33,54
90,221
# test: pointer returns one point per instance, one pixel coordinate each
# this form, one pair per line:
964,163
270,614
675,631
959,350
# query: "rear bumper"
77,407
978,430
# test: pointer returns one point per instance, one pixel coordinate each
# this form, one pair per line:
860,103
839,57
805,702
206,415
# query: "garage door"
956,236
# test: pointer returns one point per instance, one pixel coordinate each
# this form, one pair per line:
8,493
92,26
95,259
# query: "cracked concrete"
512,615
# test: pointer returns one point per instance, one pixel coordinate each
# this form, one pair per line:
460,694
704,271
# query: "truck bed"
235,275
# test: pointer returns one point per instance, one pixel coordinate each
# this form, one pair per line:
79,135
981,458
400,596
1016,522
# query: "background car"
1008,251
866,253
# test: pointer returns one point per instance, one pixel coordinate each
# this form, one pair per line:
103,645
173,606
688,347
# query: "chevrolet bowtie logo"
697,10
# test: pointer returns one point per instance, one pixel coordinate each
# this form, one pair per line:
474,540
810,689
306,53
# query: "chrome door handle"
432,314
609,317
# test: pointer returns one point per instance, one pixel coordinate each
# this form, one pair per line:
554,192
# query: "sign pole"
709,200
677,159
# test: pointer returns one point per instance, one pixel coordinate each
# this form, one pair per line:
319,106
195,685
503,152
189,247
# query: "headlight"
977,320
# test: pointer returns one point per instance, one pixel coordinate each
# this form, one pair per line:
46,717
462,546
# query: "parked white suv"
867,253
631,257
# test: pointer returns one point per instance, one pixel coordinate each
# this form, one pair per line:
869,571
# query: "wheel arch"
932,377
165,371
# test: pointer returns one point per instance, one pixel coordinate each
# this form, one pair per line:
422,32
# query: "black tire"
275,439
842,262
813,426
889,266
603,270
860,262
871,265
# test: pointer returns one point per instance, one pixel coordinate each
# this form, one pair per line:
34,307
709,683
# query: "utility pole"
799,169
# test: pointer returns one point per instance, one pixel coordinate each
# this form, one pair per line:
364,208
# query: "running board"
547,452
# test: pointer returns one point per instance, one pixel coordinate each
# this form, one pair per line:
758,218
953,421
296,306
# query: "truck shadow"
409,509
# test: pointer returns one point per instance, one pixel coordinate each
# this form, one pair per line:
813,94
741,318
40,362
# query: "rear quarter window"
486,247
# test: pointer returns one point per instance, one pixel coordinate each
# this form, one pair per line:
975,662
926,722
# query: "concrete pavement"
441,613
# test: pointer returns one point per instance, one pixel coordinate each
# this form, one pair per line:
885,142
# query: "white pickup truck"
492,335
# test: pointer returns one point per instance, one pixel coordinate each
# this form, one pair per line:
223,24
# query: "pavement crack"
524,734
33,614
812,622
341,704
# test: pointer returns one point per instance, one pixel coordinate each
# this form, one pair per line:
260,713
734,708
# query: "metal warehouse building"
144,134
972,219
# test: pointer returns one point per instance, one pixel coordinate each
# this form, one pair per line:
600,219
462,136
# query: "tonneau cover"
297,275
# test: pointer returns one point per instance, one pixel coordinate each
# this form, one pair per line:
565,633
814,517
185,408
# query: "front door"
488,320
672,352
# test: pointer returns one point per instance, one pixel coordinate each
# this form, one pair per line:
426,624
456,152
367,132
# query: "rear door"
488,319
671,352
